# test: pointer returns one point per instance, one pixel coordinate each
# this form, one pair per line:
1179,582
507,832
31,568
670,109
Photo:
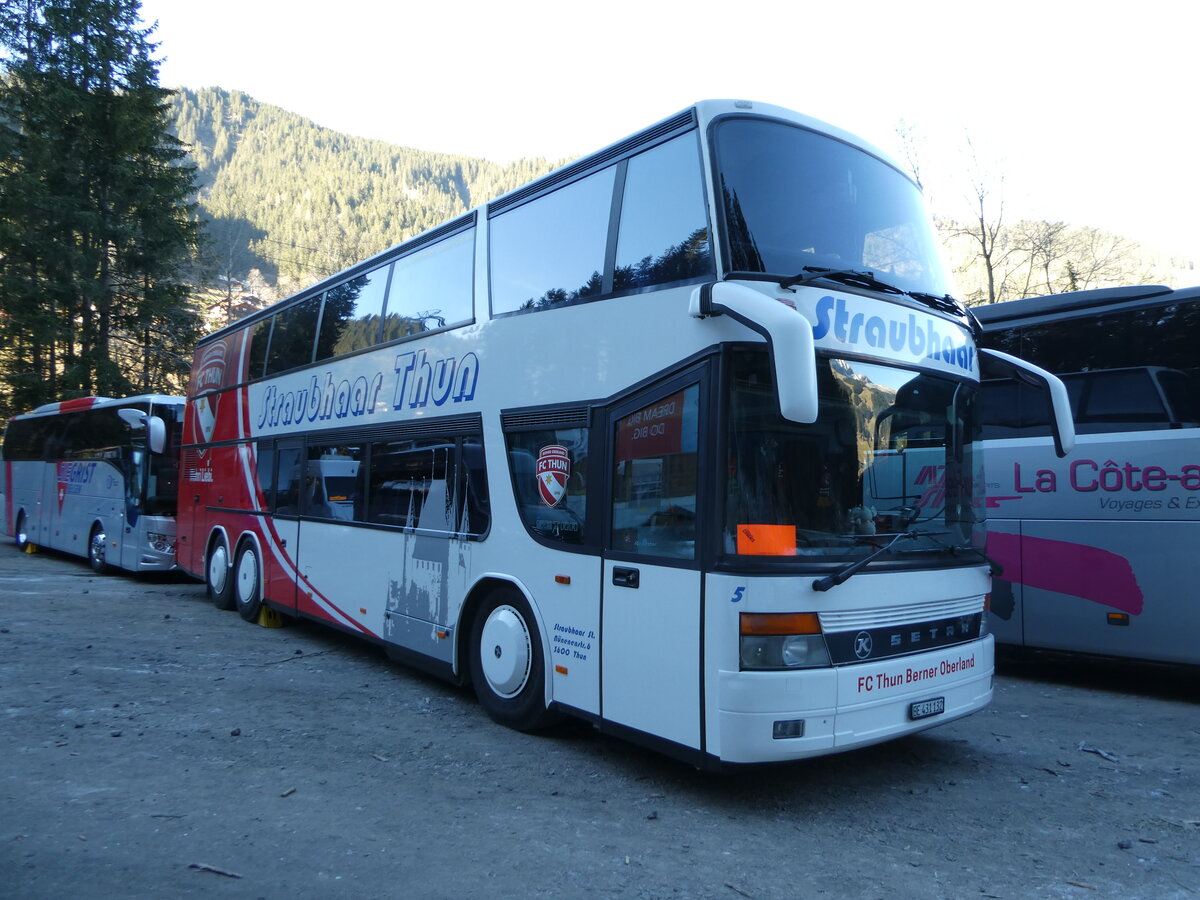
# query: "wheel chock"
269,618
31,548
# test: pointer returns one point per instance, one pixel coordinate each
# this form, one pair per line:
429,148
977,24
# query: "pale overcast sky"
1089,110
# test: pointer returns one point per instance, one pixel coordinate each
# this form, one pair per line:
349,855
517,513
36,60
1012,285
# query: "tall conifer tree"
95,214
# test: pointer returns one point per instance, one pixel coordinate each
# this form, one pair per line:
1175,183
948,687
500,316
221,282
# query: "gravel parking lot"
153,746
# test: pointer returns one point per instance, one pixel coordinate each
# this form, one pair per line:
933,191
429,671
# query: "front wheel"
247,582
507,668
98,551
217,576
22,534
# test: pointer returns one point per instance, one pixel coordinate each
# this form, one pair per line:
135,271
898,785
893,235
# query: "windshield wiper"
944,303
824,584
845,276
994,567
867,279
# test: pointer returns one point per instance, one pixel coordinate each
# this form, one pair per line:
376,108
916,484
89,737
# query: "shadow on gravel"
1157,680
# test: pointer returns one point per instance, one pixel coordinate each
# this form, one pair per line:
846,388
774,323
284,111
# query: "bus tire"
218,575
506,661
247,583
21,535
98,550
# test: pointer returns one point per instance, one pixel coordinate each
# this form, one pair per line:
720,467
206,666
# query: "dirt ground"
152,746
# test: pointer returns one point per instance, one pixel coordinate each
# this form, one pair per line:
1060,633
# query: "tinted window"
283,489
655,477
551,250
260,338
432,288
292,339
332,482
352,314
432,484
664,229
549,472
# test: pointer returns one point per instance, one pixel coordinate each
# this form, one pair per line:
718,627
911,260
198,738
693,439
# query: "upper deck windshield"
794,199
893,450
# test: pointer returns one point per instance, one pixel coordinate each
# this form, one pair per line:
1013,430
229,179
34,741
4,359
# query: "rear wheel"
507,668
98,550
218,577
247,583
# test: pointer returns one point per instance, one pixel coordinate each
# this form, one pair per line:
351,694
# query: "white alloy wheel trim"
247,577
505,651
218,568
22,535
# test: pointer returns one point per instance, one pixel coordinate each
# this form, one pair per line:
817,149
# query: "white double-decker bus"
679,439
98,478
1097,547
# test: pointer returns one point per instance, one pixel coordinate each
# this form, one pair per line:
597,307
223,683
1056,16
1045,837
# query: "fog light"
787,728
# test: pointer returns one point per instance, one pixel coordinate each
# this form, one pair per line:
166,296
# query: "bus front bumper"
775,716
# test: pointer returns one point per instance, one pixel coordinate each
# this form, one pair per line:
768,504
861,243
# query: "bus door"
650,593
283,478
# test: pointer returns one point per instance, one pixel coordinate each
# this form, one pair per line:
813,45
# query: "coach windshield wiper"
845,276
944,303
994,567
824,584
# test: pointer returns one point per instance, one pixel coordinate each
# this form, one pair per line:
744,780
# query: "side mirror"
789,337
1062,425
156,428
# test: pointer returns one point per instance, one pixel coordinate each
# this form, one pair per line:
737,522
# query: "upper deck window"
562,247
551,251
793,198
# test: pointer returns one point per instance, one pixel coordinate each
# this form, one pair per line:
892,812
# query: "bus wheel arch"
248,579
505,656
97,549
218,570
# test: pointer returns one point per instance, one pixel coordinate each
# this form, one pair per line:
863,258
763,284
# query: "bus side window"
332,475
350,319
293,337
265,467
287,482
549,475
551,250
432,288
664,229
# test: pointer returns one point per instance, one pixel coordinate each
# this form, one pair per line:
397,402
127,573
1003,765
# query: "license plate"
926,708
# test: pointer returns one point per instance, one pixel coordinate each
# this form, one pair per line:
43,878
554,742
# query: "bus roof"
994,316
65,406
699,113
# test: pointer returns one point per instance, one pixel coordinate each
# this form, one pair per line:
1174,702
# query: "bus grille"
903,614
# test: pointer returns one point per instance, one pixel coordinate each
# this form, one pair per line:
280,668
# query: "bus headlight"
782,641
163,543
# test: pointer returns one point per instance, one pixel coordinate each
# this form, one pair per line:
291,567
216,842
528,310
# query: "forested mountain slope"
297,201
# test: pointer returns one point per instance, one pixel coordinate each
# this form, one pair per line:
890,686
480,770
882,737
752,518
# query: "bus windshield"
793,200
162,475
893,450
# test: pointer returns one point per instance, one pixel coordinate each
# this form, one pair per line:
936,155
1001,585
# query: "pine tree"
95,219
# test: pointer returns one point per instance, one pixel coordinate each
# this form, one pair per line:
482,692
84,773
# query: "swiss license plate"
926,708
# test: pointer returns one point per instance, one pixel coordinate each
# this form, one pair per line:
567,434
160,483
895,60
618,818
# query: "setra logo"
863,644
